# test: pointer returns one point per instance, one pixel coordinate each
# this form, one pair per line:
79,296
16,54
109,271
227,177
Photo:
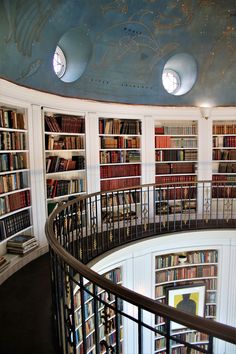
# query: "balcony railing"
91,312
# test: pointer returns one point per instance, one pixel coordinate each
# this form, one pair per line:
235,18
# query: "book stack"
3,263
21,244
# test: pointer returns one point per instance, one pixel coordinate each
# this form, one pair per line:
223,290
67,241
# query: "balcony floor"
26,311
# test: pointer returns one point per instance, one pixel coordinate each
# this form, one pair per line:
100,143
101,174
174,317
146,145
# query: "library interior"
117,176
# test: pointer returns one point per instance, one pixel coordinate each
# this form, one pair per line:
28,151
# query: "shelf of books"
120,153
108,321
120,166
187,281
176,156
65,163
15,190
224,158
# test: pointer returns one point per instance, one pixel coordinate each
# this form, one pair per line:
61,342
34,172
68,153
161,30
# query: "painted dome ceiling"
117,49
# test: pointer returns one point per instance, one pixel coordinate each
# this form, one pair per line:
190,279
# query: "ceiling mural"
131,42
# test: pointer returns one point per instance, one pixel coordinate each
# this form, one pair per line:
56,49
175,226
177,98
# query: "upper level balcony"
99,314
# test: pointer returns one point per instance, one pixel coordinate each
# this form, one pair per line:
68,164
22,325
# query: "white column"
92,152
37,162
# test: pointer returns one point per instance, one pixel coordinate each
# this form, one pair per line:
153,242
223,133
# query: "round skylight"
179,74
59,62
171,81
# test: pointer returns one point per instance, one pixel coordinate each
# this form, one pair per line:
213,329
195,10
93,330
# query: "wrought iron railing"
92,313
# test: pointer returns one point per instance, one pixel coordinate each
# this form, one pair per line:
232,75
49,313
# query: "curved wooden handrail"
212,328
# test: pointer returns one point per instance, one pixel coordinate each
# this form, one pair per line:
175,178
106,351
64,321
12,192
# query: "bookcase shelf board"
176,150
106,317
224,158
65,155
120,153
184,272
15,188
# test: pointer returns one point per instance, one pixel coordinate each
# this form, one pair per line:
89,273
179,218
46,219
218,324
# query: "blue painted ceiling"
131,42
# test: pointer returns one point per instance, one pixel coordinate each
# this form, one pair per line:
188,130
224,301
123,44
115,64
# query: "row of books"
173,179
186,273
118,126
176,207
227,167
22,244
224,178
119,156
65,124
223,192
172,168
211,310
186,192
118,215
12,141
171,260
119,183
224,129
211,286
14,223
90,342
11,182
121,198
175,130
57,188
191,337
14,201
58,164
13,161
4,262
176,155
224,141
120,171
166,141
64,142
224,154
115,275
11,119
119,143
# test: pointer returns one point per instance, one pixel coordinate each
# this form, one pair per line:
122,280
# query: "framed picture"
189,299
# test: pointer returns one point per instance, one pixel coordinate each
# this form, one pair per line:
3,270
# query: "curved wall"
138,271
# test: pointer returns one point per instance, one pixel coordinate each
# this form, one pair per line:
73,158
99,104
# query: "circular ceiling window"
179,74
72,55
171,81
59,62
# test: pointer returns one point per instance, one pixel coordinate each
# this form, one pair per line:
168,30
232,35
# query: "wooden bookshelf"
107,327
65,162
120,153
176,151
195,267
176,156
15,188
224,157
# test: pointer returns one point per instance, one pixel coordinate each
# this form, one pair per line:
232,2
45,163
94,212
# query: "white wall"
33,101
138,267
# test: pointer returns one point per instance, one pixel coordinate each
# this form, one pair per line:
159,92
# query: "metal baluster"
210,345
140,331
118,323
83,314
168,341
96,322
